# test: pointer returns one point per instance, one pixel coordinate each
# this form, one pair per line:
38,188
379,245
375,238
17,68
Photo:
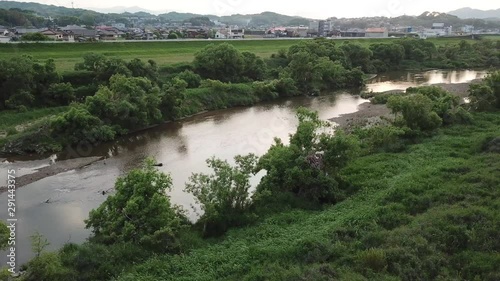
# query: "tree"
78,125
128,102
192,79
59,94
223,195
35,37
103,67
147,70
172,96
417,112
254,68
303,71
38,243
24,82
172,36
391,54
481,97
357,55
140,212
219,62
299,169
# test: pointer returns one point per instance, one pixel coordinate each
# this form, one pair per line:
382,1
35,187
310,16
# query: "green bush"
192,79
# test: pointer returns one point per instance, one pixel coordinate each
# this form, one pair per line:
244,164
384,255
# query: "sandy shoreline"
369,113
52,170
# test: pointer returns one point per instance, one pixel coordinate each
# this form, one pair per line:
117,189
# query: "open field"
163,52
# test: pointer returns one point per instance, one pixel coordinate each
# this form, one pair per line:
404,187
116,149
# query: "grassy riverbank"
67,55
427,213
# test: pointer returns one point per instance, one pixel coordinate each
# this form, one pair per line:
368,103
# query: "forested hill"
24,14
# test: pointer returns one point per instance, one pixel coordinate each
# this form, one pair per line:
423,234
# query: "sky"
318,9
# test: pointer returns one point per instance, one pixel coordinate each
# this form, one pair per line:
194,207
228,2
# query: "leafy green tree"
172,36
288,168
391,54
147,70
172,96
78,125
223,195
104,68
35,37
333,74
357,55
192,79
254,68
220,62
303,71
140,212
128,102
47,267
482,97
416,112
23,81
60,94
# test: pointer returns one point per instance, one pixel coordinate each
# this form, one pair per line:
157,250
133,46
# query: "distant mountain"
469,13
44,10
122,9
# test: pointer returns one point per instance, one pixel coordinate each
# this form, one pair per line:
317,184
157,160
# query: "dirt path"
56,168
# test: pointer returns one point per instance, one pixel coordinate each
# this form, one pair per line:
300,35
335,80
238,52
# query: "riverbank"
371,114
54,169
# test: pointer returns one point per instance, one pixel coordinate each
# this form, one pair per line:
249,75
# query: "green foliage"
416,112
24,82
382,138
486,95
390,55
224,195
4,235
254,68
127,103
192,79
35,37
140,212
357,55
221,62
172,36
60,94
288,167
93,261
172,96
38,243
79,125
47,267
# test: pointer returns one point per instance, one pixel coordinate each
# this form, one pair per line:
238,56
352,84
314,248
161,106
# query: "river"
182,147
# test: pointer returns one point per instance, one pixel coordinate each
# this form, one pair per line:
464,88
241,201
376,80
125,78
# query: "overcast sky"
306,8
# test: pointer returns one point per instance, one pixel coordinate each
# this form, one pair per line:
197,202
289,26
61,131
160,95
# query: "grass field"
67,55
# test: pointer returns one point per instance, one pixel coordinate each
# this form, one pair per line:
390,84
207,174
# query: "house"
80,32
236,34
221,34
19,31
376,33
230,34
53,34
